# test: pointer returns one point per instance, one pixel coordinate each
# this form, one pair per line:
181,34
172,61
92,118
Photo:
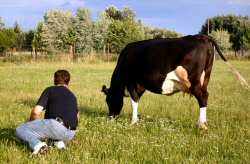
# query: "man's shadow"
8,135
28,102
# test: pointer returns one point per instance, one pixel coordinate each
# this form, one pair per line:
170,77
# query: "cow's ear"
105,89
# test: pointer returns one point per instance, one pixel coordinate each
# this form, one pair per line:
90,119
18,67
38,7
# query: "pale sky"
184,16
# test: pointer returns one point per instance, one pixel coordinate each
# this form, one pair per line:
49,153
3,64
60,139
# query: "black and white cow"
163,66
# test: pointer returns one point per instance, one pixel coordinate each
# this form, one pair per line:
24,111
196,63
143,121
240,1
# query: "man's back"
60,102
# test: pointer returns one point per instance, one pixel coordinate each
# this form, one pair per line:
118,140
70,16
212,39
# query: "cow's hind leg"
135,92
201,94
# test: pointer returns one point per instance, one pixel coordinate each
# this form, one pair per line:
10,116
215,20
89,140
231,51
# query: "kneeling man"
61,116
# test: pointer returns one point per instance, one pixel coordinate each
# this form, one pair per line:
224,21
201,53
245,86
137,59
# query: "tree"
100,34
37,43
120,33
20,37
29,36
55,30
1,23
7,39
236,27
123,29
222,37
83,31
122,15
153,33
113,13
17,28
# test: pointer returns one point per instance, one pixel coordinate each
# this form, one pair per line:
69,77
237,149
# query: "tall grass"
24,57
167,131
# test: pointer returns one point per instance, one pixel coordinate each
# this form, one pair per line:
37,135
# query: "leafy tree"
100,34
153,33
121,33
55,30
128,14
123,29
122,15
223,39
29,36
7,39
17,28
20,37
237,27
113,13
83,31
37,42
1,23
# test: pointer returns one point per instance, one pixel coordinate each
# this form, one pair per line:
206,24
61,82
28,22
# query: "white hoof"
134,121
203,125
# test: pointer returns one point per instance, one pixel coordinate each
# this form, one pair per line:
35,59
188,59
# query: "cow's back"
148,62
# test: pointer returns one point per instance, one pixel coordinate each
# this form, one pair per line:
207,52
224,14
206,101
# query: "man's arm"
36,112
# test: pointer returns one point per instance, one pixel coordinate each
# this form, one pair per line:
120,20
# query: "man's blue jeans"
35,131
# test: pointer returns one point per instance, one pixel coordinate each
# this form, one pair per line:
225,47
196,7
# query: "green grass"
165,134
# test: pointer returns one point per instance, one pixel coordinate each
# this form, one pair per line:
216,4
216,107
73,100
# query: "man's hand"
35,113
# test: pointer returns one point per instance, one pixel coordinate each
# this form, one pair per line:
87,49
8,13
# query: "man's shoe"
59,145
40,148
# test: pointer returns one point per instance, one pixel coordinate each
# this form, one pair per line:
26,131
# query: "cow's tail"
241,79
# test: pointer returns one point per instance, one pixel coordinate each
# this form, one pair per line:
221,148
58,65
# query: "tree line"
65,32
232,32
14,39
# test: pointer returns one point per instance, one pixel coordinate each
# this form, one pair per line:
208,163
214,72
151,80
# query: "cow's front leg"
135,91
135,118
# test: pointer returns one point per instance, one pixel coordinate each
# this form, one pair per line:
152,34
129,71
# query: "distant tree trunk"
104,49
242,52
70,56
108,54
11,52
34,53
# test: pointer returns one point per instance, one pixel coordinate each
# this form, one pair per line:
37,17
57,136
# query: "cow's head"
114,100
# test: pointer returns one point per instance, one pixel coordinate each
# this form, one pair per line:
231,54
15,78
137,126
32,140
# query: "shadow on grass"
92,112
28,102
8,136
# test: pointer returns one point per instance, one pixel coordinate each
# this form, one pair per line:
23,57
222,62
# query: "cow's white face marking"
176,80
135,118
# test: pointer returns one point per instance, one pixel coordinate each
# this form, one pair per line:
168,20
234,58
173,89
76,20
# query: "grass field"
167,131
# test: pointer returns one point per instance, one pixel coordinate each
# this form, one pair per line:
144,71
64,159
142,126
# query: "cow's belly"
176,81
171,84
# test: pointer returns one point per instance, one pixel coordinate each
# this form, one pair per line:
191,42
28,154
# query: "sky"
183,16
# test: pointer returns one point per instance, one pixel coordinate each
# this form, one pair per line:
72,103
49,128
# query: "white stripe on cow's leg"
202,123
135,111
203,114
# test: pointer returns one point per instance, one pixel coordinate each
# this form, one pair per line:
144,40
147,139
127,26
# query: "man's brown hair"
61,77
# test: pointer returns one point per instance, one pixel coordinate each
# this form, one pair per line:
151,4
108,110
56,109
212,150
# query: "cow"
163,66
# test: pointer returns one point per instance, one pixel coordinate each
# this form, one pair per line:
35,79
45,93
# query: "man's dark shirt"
60,102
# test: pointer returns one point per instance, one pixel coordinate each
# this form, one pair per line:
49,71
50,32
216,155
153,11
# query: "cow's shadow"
92,112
